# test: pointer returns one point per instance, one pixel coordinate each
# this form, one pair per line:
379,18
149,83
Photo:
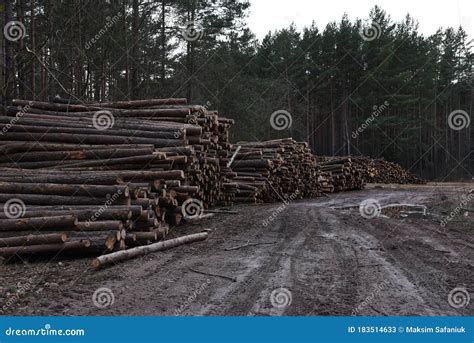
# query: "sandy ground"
314,257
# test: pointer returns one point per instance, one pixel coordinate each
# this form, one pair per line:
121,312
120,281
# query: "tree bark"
45,248
33,47
9,53
35,239
118,256
135,49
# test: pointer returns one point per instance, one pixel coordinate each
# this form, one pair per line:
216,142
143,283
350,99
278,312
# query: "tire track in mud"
262,271
375,286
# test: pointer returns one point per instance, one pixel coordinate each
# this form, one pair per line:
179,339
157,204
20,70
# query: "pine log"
42,223
35,239
45,248
118,256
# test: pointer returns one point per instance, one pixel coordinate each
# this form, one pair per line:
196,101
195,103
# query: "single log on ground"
118,256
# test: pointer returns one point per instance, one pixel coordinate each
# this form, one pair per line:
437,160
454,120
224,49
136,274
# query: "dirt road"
311,257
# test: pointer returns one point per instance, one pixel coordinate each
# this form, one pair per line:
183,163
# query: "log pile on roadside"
381,171
344,173
347,171
104,177
274,170
326,182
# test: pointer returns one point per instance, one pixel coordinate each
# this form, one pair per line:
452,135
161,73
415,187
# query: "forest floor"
314,257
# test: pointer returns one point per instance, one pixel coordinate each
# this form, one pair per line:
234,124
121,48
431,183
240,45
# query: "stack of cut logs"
344,173
93,178
325,181
351,172
96,178
381,171
274,170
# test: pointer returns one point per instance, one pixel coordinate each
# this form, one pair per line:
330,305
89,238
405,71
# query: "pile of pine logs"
381,171
344,173
325,181
274,170
106,176
102,177
348,172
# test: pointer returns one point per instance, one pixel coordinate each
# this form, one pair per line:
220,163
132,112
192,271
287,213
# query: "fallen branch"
118,256
247,245
233,279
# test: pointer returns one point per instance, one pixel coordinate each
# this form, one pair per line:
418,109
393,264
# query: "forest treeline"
372,86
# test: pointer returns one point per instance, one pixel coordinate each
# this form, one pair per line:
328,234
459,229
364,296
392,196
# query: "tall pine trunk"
33,47
136,46
9,53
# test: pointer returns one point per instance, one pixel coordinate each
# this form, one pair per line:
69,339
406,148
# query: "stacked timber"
101,177
104,210
164,123
325,181
344,172
274,170
371,170
381,171
106,175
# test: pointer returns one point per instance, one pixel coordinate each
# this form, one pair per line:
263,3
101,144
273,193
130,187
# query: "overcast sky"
268,15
